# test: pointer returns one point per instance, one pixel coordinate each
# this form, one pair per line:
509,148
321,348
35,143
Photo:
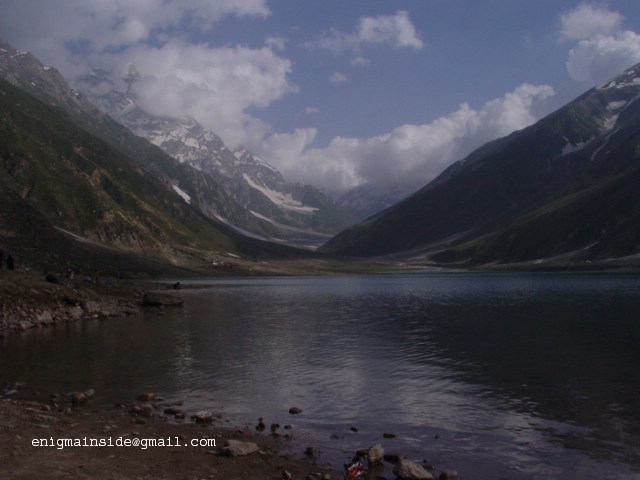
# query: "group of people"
9,263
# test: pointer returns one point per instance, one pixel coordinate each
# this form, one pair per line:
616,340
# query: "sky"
340,93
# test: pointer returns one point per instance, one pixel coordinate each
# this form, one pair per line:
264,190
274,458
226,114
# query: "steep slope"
577,149
368,199
196,188
299,214
82,185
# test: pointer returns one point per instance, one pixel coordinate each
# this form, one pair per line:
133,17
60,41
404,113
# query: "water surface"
514,376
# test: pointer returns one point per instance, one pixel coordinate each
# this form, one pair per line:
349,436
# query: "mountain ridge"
566,152
298,213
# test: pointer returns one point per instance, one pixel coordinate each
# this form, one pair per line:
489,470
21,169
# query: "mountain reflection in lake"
514,376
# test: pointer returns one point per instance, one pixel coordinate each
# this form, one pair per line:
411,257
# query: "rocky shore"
138,441
29,301
77,437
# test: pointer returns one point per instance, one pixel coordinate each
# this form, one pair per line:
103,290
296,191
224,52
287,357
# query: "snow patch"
191,142
182,193
609,122
247,157
613,106
280,199
570,148
618,84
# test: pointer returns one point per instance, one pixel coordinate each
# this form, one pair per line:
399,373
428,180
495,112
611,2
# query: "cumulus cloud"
586,21
409,152
603,47
217,86
395,30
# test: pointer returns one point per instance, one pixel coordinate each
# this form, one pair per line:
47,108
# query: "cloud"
337,77
360,62
275,42
101,25
409,153
395,30
586,21
603,48
218,86
309,111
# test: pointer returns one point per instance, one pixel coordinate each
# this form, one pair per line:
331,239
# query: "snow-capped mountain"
367,200
564,187
300,214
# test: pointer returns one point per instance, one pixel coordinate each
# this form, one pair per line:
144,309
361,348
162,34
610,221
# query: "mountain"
565,186
23,70
66,192
297,214
366,200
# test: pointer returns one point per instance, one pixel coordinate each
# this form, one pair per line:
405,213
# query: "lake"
502,376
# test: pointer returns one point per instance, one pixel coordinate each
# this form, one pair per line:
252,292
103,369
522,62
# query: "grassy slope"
86,186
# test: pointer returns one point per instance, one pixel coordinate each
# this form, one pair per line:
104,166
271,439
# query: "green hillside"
83,185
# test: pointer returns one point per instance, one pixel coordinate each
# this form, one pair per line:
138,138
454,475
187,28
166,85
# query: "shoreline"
138,441
29,302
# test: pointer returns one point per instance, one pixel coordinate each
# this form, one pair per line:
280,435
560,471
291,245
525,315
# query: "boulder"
447,474
143,409
44,317
24,324
157,299
172,411
202,417
78,398
236,448
91,307
75,313
408,470
375,454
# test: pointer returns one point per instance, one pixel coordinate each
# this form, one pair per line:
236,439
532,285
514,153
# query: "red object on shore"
355,470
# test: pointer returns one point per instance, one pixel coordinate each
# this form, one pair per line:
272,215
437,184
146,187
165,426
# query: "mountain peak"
628,78
566,185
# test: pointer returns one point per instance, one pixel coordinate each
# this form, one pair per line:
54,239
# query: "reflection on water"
516,375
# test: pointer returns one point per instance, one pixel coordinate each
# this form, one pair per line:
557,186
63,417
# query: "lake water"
502,376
